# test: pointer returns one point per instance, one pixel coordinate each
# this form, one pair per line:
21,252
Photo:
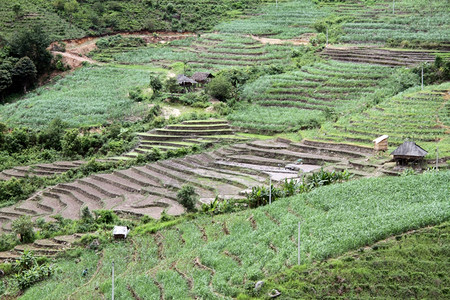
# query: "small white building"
120,232
381,143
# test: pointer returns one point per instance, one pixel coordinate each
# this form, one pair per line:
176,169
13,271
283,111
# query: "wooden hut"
381,143
202,77
408,152
185,82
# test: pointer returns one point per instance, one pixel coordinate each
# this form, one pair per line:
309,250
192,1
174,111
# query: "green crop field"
88,97
421,116
215,257
35,12
289,101
413,265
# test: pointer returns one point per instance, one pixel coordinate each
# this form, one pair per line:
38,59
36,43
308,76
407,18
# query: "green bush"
23,227
187,197
220,88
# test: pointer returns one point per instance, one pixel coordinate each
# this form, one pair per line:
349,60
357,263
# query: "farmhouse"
202,77
408,152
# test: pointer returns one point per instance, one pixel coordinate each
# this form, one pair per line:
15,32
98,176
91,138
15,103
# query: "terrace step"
182,178
37,250
288,155
229,180
194,127
326,151
193,133
119,182
134,176
48,244
338,146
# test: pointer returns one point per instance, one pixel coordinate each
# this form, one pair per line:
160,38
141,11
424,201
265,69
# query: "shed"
381,143
408,152
185,81
202,77
120,232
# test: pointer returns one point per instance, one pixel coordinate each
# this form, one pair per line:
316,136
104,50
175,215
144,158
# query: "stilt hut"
381,143
408,152
202,77
120,232
185,82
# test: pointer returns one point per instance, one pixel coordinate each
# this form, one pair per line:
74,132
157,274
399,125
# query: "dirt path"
73,59
77,49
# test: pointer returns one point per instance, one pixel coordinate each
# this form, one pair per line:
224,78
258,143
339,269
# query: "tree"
50,137
220,88
5,81
17,9
155,83
187,197
32,43
25,72
23,226
70,8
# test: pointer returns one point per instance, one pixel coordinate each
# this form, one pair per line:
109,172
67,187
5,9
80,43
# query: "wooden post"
299,243
112,295
327,38
437,157
422,77
270,190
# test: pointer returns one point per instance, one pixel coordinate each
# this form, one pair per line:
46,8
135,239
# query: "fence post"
112,296
299,243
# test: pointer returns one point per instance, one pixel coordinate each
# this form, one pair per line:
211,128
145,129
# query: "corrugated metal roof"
409,149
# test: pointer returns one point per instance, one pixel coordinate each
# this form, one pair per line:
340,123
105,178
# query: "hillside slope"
215,258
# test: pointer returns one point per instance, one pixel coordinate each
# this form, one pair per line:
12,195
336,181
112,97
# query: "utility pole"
270,190
437,157
393,6
422,77
299,243
327,38
277,3
112,295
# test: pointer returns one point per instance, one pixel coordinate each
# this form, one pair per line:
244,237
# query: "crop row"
89,97
413,115
215,258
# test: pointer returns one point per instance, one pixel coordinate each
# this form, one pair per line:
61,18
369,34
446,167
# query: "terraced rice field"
35,13
50,169
151,189
411,20
211,52
184,135
292,99
285,21
373,55
44,247
421,116
216,257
